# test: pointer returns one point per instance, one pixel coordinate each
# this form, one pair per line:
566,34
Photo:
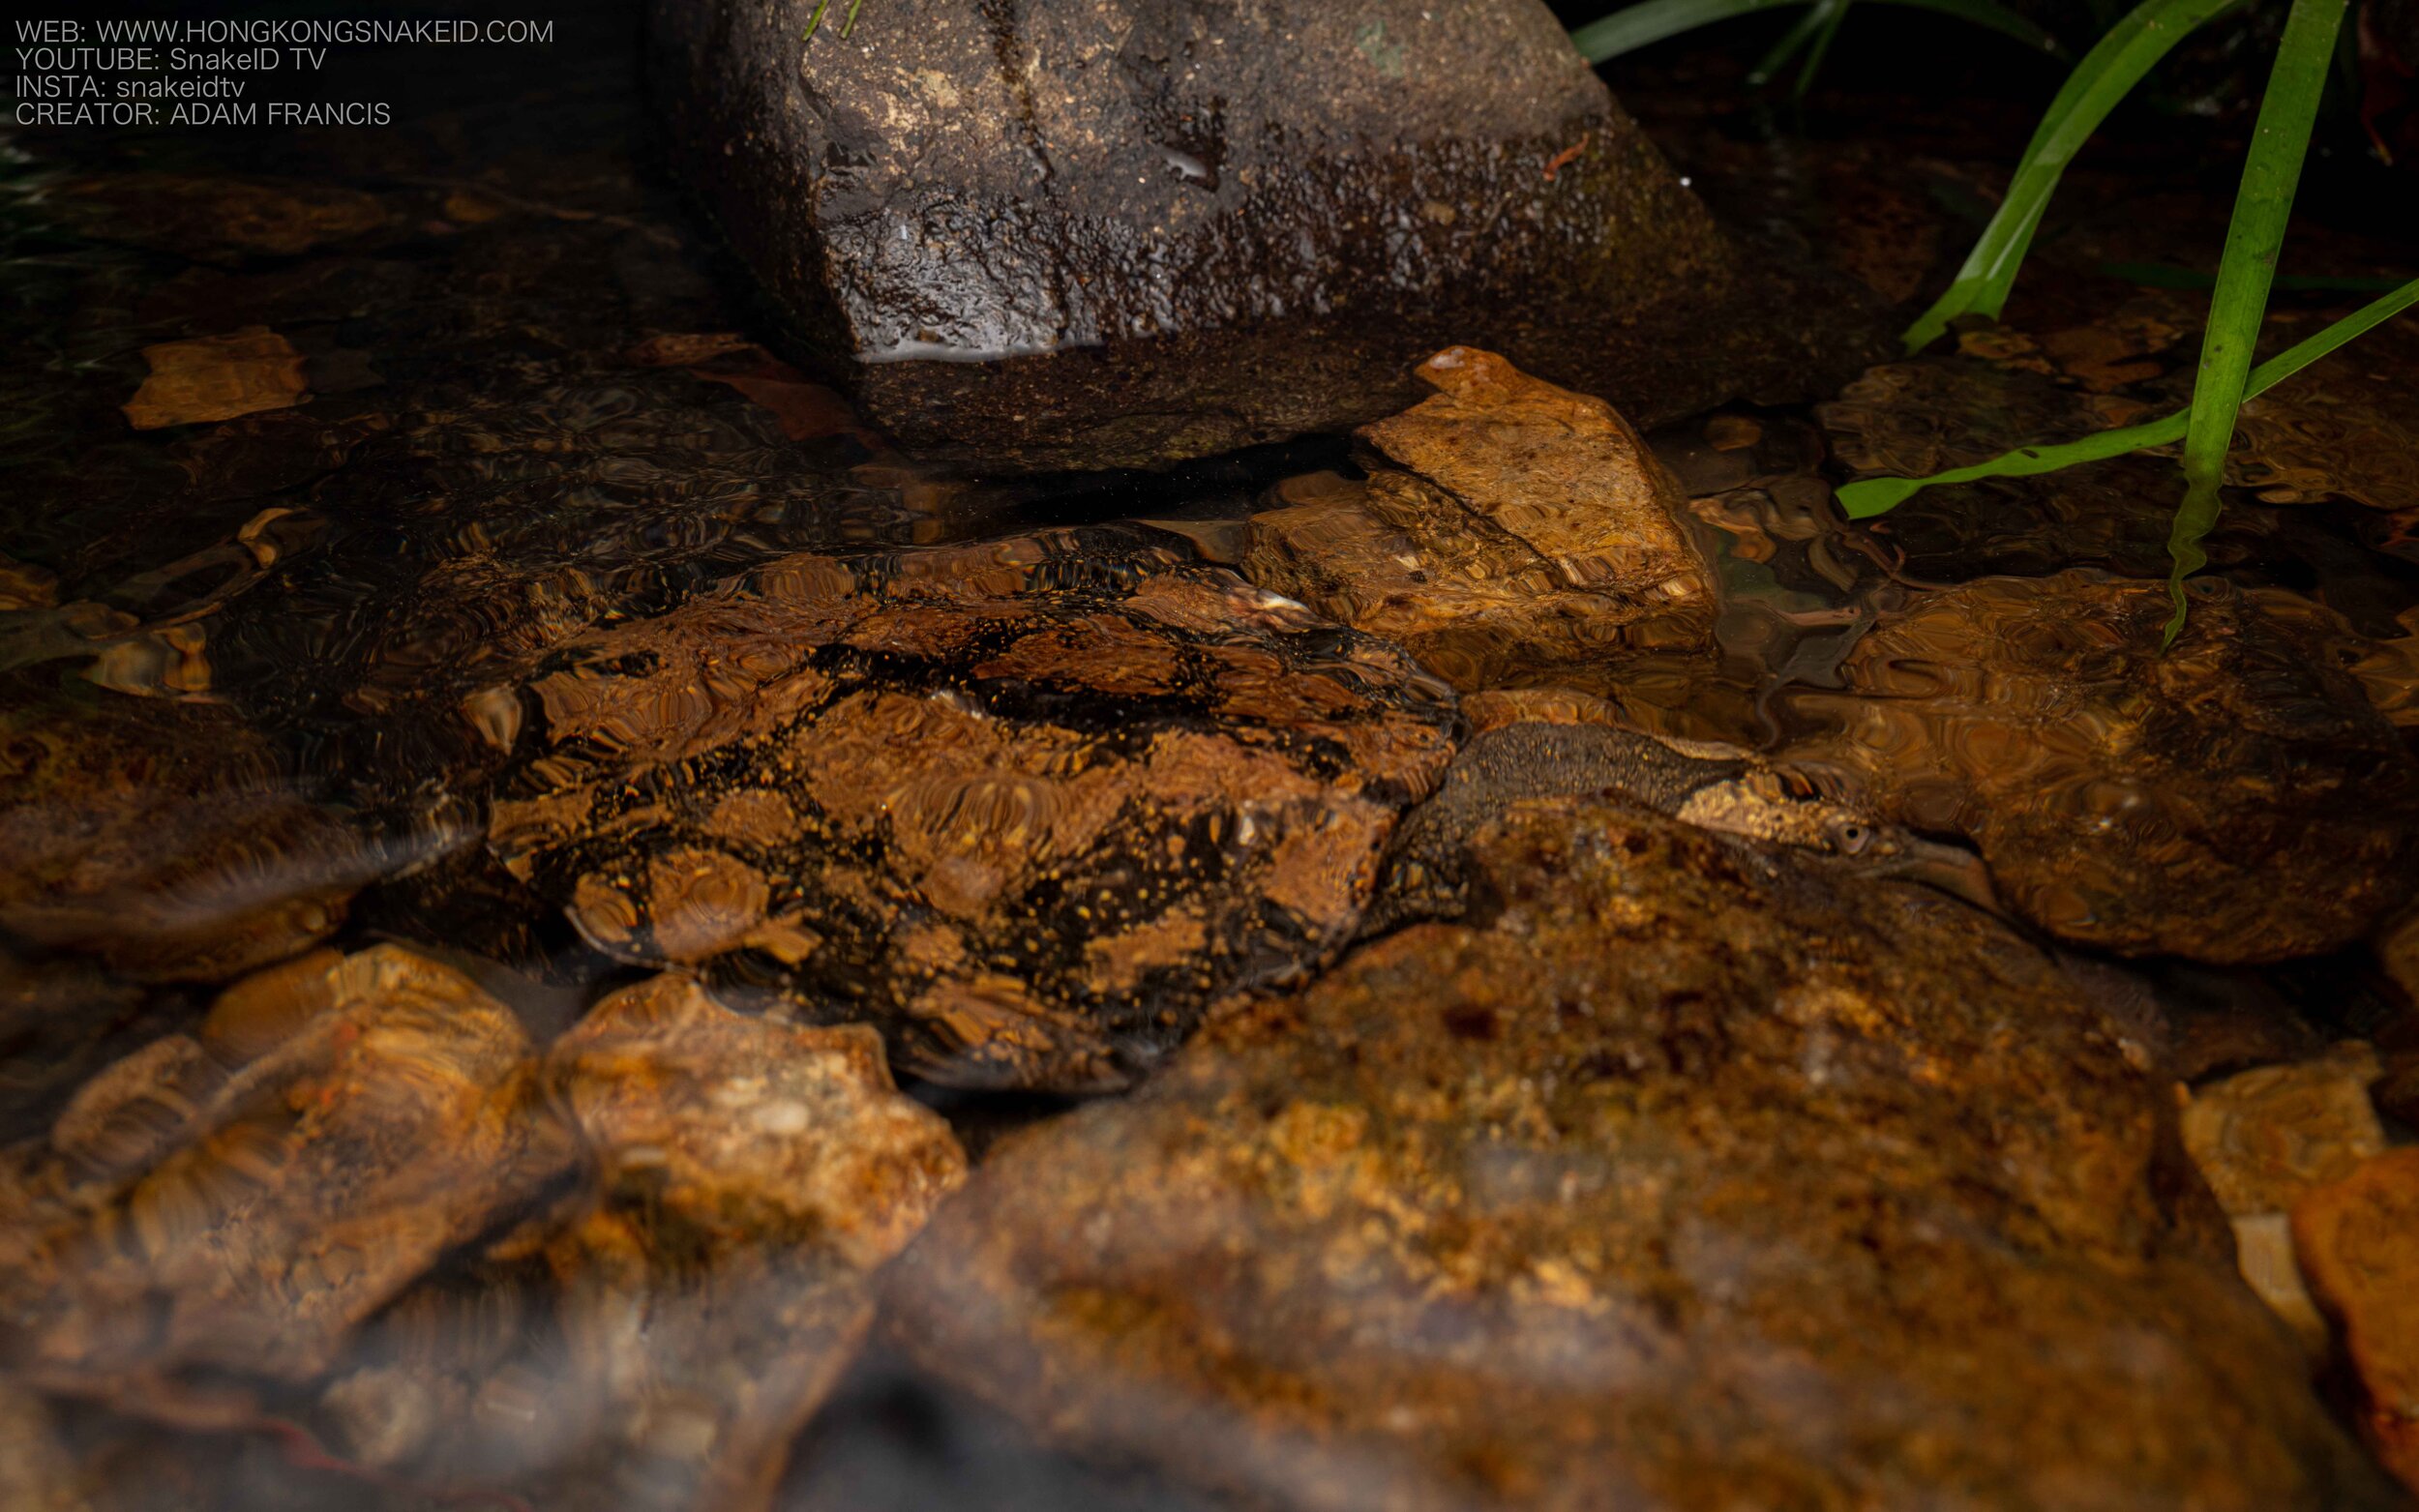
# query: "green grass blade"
2105,76
1834,12
1792,43
1880,495
2161,274
815,22
1632,27
849,25
2262,206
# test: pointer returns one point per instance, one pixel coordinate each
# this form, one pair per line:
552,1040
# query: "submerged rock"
1518,526
2359,1241
241,1197
1679,1175
1085,233
2264,1139
659,1347
1030,817
163,838
2235,799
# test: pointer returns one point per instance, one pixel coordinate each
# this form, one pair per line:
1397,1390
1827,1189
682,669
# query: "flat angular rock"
1505,526
1176,229
1679,1177
1029,815
2236,799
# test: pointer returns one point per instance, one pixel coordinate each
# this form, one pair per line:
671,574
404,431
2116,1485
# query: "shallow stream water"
369,489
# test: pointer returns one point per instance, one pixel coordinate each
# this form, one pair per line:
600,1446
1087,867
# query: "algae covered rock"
1106,232
1677,1176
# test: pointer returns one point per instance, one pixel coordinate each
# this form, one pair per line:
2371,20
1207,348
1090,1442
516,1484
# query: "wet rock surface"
1665,1180
1505,525
2265,1139
240,1198
499,523
2238,798
2359,1242
658,1344
166,840
1032,829
1224,225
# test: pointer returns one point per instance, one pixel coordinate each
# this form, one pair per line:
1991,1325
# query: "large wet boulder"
1678,1174
1106,232
1027,809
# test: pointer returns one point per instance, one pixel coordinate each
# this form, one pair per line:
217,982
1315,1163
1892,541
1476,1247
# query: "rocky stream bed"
1358,908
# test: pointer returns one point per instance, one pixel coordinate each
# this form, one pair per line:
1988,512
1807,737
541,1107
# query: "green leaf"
2161,274
1791,42
2115,64
1833,13
1880,495
2262,206
1635,26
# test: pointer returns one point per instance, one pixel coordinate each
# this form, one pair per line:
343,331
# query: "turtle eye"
1854,837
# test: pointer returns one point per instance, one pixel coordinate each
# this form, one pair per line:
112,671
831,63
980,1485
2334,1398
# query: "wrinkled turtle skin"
1677,1175
1028,821
2238,798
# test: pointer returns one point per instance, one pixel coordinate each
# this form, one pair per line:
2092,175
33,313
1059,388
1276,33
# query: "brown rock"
2337,430
2359,1243
1031,828
1687,1177
2236,799
163,838
2397,951
2263,1139
1521,527
35,1465
218,377
1077,233
242,1197
221,220
2390,670
670,1338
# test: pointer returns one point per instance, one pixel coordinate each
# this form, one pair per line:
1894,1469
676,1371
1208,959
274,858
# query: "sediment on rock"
1675,1176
